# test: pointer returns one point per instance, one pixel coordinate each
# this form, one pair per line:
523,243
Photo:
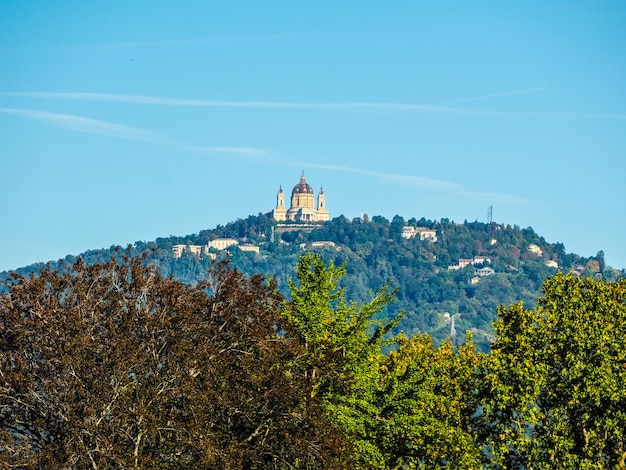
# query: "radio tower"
490,215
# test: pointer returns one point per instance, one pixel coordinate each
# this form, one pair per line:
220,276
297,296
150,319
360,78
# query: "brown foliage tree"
114,366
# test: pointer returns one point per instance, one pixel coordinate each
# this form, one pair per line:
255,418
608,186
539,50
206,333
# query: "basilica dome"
302,187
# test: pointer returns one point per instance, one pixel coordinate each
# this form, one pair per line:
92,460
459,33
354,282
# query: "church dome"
302,187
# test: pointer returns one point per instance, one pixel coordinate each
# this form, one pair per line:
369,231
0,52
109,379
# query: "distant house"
197,250
222,243
484,272
423,232
467,261
249,247
322,243
535,249
178,250
475,280
427,234
552,263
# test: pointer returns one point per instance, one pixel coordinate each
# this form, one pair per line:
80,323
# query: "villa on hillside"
249,247
423,232
323,243
484,271
222,243
197,250
219,244
463,262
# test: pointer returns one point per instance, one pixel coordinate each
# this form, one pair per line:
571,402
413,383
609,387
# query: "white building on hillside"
423,232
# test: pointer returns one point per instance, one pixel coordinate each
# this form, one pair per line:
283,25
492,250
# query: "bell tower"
322,213
280,211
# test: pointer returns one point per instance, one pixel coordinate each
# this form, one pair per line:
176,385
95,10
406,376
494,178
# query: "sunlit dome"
302,187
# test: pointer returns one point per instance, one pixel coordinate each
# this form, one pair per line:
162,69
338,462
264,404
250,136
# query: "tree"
344,342
339,335
114,366
402,403
396,226
593,266
427,406
556,385
601,261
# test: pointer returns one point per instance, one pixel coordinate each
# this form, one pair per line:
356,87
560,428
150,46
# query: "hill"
450,277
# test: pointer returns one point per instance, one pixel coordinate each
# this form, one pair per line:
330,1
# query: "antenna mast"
453,327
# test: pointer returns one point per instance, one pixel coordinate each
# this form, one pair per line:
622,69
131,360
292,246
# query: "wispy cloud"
419,182
83,124
590,115
422,182
268,156
184,102
339,106
493,95
236,150
493,197
153,100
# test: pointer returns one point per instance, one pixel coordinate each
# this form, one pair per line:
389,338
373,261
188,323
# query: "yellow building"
303,206
222,243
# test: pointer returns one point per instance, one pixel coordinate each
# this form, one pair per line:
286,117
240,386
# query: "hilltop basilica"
303,207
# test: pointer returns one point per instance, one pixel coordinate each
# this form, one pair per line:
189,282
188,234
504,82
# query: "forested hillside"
438,296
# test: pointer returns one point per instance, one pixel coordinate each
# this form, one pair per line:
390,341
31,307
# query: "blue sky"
127,121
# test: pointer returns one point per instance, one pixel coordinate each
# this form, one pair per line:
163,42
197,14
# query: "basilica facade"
303,206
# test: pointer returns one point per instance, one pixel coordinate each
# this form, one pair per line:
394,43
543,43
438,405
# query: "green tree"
402,403
427,406
556,385
601,261
396,226
345,344
343,336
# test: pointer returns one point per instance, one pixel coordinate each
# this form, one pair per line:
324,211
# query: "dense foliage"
401,402
556,380
115,366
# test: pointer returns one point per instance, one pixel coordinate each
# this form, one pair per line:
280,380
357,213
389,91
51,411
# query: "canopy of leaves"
114,366
400,402
556,381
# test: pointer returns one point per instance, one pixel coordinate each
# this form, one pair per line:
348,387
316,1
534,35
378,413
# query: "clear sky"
131,120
